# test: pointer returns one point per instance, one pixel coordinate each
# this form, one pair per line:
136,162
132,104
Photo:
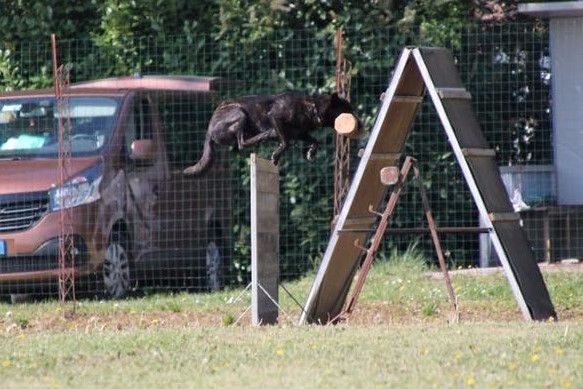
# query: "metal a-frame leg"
409,163
436,243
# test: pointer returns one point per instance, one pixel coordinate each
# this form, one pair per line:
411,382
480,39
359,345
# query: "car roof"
122,85
51,92
168,83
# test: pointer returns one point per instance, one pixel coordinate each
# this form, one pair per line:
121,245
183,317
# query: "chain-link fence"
137,220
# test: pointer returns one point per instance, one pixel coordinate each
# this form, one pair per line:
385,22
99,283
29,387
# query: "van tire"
214,262
19,298
116,281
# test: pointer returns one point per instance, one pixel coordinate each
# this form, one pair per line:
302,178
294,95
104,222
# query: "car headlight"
79,190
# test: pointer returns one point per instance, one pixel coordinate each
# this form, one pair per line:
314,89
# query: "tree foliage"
273,45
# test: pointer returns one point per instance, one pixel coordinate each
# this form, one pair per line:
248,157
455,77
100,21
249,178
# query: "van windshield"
29,125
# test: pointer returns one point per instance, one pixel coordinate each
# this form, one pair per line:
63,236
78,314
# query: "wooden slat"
504,217
408,99
384,156
475,152
454,93
359,221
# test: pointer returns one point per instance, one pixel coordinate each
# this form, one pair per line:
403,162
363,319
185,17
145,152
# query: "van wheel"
19,298
214,264
116,267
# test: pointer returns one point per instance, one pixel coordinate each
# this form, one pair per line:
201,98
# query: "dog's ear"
335,96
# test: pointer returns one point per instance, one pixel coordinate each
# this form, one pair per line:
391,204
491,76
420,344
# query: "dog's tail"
207,159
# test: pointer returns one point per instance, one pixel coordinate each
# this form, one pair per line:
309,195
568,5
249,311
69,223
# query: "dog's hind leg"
262,136
228,125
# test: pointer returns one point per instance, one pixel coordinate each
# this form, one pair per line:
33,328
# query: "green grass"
398,337
494,355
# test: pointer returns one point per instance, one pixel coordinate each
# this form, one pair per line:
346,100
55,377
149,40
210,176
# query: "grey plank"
341,258
264,241
438,69
525,269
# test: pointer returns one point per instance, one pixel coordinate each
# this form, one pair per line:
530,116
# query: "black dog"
285,117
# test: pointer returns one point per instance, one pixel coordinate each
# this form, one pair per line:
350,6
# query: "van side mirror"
142,150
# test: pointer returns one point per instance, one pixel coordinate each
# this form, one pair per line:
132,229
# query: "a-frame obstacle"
418,71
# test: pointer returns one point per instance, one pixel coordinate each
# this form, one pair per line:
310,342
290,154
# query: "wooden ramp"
432,70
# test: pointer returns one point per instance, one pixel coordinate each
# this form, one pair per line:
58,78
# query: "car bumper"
33,254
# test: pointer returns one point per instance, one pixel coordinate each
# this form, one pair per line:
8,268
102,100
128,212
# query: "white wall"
567,83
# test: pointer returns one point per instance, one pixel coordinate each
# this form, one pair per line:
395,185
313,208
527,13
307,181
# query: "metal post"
342,149
66,243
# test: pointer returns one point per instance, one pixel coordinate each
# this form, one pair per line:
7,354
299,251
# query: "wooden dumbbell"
346,124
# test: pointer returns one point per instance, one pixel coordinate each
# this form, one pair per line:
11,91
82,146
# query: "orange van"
133,217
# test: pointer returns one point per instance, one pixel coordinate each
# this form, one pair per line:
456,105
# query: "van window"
29,126
139,124
185,118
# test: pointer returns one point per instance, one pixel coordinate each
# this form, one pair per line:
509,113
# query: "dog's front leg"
283,142
311,149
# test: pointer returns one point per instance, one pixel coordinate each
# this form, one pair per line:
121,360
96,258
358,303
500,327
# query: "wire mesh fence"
137,220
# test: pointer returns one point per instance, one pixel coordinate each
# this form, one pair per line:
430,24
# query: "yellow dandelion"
470,380
279,352
534,357
6,363
566,383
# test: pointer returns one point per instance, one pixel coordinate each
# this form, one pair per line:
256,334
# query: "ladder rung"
355,230
504,217
454,93
359,221
408,99
384,156
474,152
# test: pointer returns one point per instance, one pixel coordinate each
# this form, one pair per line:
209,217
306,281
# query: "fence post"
264,241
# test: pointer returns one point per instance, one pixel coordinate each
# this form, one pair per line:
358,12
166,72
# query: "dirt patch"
116,321
382,312
569,265
366,313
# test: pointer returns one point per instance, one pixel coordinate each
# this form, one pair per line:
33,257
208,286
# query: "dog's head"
335,105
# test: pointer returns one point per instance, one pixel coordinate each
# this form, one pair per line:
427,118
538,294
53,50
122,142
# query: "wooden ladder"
392,176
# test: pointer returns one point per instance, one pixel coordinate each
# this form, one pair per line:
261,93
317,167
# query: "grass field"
398,337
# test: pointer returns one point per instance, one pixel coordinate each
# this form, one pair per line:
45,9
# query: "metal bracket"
359,246
371,210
